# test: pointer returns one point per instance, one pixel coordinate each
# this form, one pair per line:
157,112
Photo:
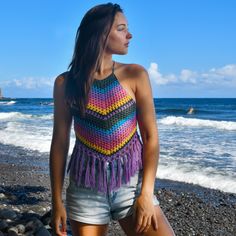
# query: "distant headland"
1,95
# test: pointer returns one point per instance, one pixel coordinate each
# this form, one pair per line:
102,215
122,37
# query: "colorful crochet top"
107,135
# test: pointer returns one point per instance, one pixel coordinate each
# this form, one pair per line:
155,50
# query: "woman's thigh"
164,228
83,229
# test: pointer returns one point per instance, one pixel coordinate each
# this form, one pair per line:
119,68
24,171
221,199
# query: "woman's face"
119,36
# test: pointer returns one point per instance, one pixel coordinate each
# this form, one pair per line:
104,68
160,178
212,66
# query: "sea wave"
7,102
14,115
47,103
206,177
44,117
18,115
182,121
31,137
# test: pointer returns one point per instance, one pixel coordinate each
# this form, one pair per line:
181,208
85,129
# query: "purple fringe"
93,177
119,177
100,179
112,182
104,176
87,174
89,168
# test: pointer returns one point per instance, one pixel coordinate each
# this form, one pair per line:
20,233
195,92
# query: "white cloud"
28,83
157,77
188,76
228,70
225,75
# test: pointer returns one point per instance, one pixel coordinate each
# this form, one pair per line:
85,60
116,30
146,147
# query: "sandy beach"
25,193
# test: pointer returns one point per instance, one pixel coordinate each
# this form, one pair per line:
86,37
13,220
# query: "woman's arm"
59,151
149,132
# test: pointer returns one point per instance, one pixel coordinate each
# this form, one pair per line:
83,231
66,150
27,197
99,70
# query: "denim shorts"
92,207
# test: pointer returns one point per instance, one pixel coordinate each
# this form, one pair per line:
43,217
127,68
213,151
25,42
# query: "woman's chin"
124,52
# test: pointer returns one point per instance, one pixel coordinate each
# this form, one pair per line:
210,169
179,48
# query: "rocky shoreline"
25,200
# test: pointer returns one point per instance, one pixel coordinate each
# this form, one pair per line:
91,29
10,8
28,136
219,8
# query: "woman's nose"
129,35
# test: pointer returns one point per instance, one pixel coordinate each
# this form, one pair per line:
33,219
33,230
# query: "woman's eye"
121,28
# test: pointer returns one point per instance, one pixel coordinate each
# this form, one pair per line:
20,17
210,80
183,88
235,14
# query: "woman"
112,173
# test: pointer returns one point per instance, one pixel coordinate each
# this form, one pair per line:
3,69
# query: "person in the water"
190,111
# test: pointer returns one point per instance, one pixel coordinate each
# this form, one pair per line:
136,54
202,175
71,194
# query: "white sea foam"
47,103
31,137
45,117
206,177
13,115
7,102
181,121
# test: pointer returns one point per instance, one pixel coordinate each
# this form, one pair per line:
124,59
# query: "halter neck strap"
113,67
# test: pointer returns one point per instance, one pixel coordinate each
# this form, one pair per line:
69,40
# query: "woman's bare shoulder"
60,80
132,70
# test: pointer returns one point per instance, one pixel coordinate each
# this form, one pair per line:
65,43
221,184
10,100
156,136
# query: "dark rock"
22,196
29,233
33,225
7,214
2,190
3,225
46,218
29,216
42,232
178,204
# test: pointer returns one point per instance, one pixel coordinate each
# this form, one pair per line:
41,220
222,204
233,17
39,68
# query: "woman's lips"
127,44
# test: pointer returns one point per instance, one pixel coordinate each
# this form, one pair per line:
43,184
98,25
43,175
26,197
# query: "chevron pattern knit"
107,134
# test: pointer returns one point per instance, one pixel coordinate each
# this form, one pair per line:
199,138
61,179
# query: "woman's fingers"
154,221
56,226
64,225
59,227
58,221
148,224
145,214
145,224
139,220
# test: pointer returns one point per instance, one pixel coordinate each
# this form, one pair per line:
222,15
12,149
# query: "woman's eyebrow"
123,24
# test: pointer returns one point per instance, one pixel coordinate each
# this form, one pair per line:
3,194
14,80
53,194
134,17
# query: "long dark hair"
90,42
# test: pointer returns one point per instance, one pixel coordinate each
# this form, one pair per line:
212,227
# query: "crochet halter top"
106,136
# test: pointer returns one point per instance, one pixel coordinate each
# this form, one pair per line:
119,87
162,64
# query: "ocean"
198,148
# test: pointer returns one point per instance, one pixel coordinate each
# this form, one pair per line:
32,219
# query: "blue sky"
188,47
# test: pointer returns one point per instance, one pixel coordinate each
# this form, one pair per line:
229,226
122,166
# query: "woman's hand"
58,220
144,214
